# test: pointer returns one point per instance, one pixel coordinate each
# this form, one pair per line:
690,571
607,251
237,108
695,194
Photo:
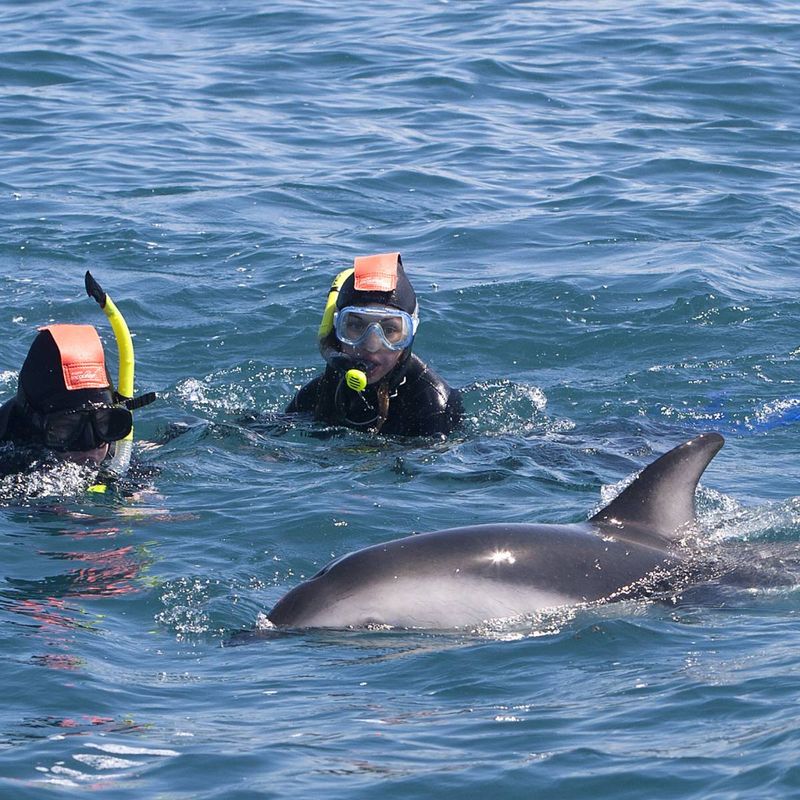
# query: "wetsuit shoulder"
425,404
306,397
7,420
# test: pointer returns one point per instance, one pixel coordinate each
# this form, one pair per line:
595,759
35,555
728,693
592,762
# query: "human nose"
372,341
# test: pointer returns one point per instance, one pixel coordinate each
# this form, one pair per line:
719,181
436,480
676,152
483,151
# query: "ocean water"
598,204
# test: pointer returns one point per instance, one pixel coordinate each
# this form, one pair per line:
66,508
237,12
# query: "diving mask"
86,427
394,329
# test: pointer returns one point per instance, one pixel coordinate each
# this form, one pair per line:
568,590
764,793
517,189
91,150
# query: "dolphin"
461,577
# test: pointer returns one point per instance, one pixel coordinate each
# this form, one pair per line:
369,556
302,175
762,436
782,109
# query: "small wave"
549,622
241,389
770,522
759,419
112,765
504,406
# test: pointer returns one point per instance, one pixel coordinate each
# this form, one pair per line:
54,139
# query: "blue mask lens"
395,329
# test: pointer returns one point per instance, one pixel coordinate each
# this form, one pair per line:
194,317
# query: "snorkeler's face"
378,362
91,457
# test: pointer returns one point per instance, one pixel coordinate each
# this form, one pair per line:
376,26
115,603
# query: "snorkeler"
372,380
66,403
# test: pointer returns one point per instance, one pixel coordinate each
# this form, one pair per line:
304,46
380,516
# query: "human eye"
392,328
355,323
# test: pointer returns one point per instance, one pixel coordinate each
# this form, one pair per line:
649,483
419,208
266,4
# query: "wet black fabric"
422,404
14,427
42,390
19,443
41,378
402,296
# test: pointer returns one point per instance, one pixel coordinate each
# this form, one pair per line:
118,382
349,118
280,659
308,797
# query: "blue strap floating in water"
769,416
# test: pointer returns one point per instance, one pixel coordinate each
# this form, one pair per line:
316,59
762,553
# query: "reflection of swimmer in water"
372,380
65,402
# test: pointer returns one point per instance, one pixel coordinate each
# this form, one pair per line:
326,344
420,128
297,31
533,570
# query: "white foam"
105,762
263,622
124,750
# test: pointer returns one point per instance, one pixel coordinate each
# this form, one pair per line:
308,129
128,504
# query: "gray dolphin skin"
464,576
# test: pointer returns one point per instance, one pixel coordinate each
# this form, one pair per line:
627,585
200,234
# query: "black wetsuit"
420,402
19,445
14,427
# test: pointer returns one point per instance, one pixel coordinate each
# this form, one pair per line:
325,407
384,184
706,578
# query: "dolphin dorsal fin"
661,499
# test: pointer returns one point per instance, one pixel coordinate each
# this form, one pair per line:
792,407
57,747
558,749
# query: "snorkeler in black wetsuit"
66,405
372,380
65,402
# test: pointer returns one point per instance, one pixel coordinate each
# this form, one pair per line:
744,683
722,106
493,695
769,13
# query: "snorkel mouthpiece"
355,372
356,379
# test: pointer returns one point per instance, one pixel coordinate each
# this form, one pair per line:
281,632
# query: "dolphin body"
463,576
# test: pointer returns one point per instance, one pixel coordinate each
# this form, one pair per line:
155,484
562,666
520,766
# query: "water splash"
503,406
47,479
185,603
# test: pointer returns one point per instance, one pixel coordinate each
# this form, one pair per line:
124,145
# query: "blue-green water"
599,206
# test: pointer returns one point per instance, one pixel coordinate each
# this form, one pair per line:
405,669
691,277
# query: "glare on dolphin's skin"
502,557
464,576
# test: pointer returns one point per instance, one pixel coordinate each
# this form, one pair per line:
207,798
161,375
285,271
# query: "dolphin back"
661,499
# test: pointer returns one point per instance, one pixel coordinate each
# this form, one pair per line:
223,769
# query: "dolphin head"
304,602
318,601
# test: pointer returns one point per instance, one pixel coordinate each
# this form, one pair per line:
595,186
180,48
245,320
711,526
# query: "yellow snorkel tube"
355,378
326,325
119,462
